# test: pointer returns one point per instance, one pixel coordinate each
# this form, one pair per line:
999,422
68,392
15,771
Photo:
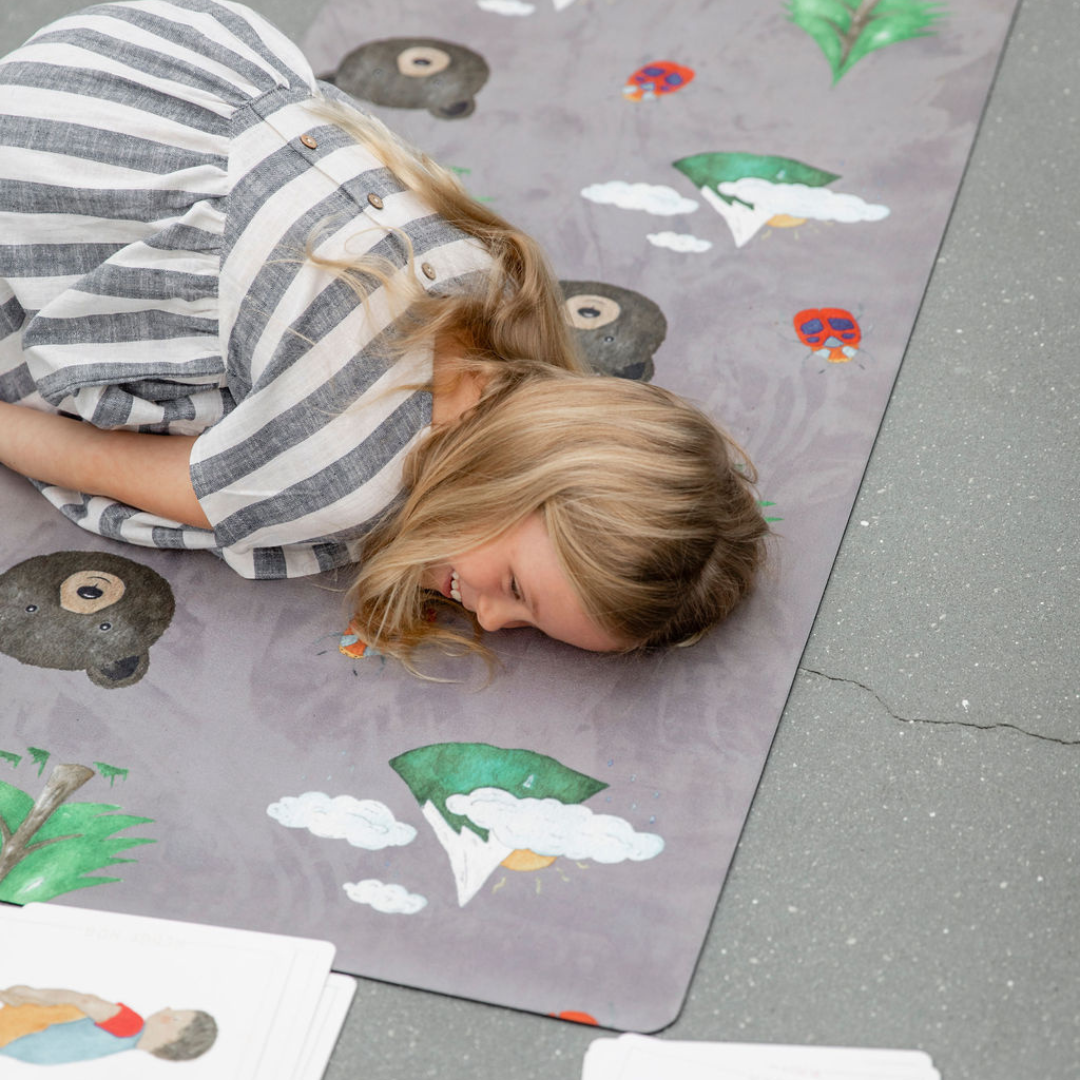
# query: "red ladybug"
655,79
832,333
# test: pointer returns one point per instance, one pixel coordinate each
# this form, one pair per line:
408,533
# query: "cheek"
473,571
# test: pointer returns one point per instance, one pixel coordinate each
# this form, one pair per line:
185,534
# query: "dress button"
374,200
308,141
429,271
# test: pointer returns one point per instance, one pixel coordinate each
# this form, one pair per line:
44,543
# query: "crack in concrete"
926,720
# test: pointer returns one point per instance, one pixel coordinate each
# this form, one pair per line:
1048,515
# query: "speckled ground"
908,873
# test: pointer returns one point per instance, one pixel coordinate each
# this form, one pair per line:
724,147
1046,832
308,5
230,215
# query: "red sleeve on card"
124,1024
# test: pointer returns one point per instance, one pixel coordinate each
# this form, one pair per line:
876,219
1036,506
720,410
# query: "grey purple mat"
745,201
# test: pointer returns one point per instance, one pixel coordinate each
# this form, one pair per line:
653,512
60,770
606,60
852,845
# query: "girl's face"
516,580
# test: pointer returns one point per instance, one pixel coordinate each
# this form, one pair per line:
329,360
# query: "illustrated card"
96,994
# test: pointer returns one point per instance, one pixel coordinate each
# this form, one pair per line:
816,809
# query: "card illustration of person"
57,1027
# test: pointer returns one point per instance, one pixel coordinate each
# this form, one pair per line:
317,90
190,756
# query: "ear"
120,673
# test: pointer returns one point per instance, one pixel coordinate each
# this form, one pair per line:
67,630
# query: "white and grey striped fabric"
163,167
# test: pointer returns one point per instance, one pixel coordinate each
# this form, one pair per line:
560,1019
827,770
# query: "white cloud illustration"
506,7
389,899
679,241
550,827
365,823
652,198
799,200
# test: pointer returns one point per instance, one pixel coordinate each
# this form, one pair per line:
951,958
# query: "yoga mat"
746,199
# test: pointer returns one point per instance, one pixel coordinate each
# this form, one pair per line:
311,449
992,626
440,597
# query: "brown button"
374,200
429,271
308,141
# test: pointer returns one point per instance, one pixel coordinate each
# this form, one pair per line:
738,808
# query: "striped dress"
164,167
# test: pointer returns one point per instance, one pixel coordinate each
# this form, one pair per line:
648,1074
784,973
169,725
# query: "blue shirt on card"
79,1040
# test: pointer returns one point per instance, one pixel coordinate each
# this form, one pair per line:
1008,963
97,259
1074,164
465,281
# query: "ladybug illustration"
831,333
351,644
656,79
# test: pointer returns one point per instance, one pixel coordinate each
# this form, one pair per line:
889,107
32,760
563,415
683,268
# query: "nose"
490,613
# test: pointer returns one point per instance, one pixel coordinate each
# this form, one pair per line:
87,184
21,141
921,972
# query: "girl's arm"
149,472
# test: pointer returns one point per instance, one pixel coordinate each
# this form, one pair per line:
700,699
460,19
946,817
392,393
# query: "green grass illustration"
50,846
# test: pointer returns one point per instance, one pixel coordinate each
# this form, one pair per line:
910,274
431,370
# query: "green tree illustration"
847,30
710,170
49,846
436,772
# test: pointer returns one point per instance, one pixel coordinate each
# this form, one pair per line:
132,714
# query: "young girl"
353,360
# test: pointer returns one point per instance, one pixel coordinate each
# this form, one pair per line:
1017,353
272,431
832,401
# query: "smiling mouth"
451,587
444,586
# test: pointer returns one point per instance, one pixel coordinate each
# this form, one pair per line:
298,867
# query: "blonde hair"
517,309
648,505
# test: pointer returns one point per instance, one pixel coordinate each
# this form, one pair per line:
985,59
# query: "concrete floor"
908,875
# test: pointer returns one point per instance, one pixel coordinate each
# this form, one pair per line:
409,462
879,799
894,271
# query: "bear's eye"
86,592
105,626
32,608
588,311
420,61
608,338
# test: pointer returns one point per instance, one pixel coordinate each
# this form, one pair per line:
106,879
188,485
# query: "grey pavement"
908,875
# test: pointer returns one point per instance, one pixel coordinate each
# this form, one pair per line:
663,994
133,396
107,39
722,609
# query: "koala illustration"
617,329
414,73
84,611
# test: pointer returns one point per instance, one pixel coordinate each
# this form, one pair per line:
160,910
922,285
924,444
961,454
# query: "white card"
606,1059
639,1057
824,1061
261,989
323,1035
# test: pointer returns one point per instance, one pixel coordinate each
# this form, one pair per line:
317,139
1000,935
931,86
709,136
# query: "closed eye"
530,602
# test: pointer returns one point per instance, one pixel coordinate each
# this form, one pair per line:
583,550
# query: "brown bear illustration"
617,330
84,611
414,73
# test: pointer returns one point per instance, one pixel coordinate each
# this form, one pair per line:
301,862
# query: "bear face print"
617,330
84,611
414,73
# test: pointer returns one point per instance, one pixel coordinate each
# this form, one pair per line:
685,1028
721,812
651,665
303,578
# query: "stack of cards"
638,1057
96,994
